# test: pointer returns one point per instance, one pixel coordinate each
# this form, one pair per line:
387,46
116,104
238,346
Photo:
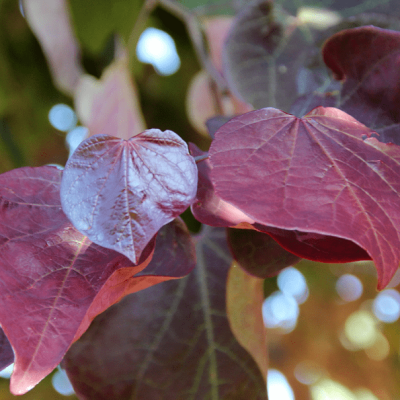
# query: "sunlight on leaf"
119,192
321,174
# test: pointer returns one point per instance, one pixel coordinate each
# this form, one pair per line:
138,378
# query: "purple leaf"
262,55
171,341
119,193
323,174
54,281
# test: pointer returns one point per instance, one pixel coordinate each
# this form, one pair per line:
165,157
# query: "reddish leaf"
53,278
208,208
171,341
366,60
110,106
258,254
6,352
49,20
119,192
321,174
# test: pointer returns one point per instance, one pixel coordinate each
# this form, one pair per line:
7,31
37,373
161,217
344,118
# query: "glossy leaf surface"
54,279
321,174
119,192
258,254
171,341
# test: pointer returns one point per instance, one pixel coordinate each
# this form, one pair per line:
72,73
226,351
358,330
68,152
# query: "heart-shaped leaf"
321,174
54,279
119,193
171,341
264,51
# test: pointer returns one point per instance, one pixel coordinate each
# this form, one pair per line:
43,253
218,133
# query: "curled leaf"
324,174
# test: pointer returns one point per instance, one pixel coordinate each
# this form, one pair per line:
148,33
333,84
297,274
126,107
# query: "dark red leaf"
258,254
6,352
54,279
367,61
120,192
263,55
171,341
322,174
208,208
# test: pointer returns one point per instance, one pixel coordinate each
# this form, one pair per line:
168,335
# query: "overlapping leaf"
258,254
53,280
119,192
49,20
110,105
262,55
244,299
171,341
366,60
323,174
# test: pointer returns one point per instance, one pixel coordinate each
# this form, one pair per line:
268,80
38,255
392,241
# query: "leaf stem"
201,158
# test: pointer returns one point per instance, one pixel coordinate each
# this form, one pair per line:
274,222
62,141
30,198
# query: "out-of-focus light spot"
326,389
364,394
6,372
61,383
380,349
292,283
58,166
307,372
280,311
158,48
361,329
75,137
21,8
62,117
349,287
386,305
318,18
278,387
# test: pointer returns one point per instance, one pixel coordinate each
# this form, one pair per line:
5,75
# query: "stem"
196,36
200,158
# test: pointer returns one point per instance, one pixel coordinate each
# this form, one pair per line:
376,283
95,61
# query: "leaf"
323,174
96,20
119,193
110,106
244,299
262,55
208,208
6,352
171,341
258,253
49,20
54,279
366,61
